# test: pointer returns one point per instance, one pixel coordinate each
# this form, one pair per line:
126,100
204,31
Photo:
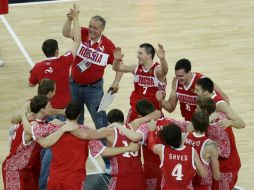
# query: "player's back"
128,163
127,170
69,159
177,167
198,142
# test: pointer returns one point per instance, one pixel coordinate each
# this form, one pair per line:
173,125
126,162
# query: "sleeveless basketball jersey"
187,97
128,163
198,142
145,86
166,121
177,167
217,98
22,156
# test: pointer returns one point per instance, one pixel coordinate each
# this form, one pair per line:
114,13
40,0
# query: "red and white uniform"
217,98
178,169
68,165
21,168
146,84
98,55
127,172
228,156
56,69
152,171
198,142
186,96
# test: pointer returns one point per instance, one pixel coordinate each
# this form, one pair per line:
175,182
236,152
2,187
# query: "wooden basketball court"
217,36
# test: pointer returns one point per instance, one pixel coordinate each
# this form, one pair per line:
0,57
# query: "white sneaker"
1,63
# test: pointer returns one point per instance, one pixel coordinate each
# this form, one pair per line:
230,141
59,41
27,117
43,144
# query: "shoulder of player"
210,145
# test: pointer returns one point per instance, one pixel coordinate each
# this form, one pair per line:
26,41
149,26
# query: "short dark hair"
206,84
49,47
144,107
115,115
148,48
73,110
200,121
45,86
183,64
100,18
38,102
206,104
171,135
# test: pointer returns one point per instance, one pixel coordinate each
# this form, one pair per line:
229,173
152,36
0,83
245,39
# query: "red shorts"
226,181
135,182
65,186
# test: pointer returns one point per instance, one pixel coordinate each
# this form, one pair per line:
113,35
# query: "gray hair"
101,19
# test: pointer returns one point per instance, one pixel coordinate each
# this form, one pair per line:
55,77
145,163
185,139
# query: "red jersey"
177,167
127,170
198,142
166,121
56,69
69,154
217,98
229,158
4,7
146,84
22,157
96,56
128,163
187,97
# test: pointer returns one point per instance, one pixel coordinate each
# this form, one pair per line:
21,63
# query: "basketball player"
68,166
149,76
183,85
21,168
229,159
178,162
206,149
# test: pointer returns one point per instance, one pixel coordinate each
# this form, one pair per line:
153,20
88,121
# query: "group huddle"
49,143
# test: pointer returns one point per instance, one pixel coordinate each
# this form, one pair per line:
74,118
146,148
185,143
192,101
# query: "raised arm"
162,71
233,119
118,65
76,30
66,30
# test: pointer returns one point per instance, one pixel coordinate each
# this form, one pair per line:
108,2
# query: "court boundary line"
31,63
41,3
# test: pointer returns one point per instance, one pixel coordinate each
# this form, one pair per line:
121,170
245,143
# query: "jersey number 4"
177,172
129,154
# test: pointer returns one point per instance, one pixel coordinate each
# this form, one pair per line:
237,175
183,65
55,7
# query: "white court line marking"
17,40
40,3
240,188
31,63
